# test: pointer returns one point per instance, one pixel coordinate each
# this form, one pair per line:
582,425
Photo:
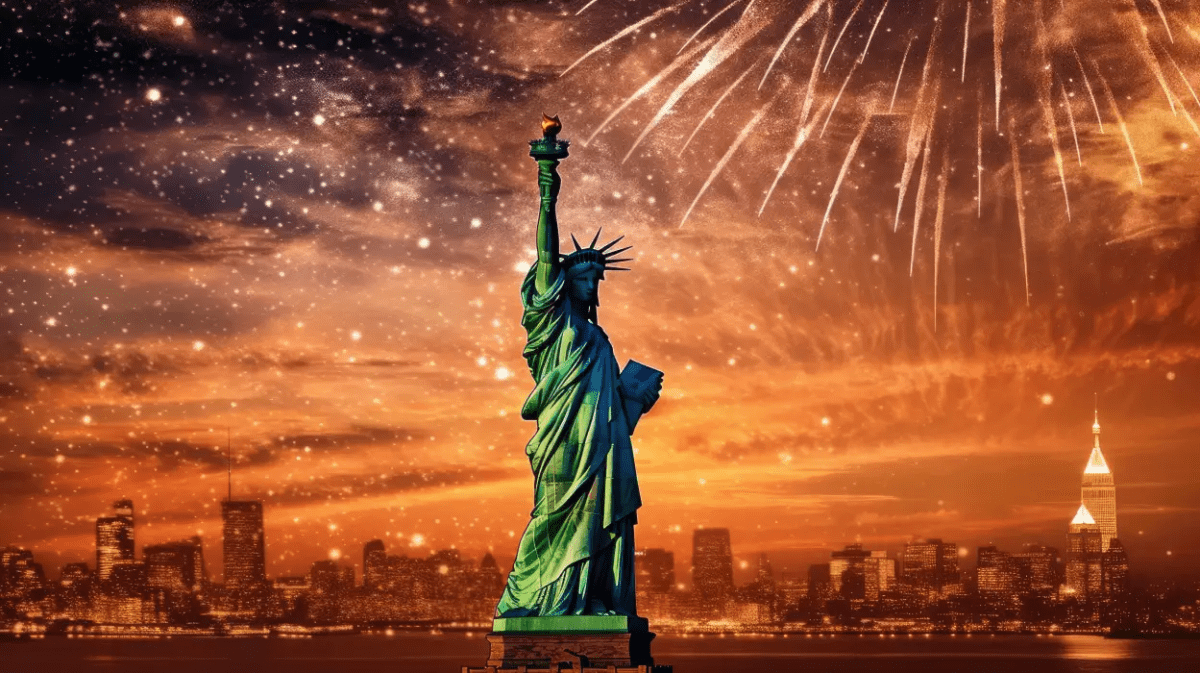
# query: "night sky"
305,225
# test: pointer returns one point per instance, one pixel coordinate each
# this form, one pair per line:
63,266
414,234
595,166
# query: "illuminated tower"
374,565
1084,556
114,539
245,550
1099,492
245,553
712,562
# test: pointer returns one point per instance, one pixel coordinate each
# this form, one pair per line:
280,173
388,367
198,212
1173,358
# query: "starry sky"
299,229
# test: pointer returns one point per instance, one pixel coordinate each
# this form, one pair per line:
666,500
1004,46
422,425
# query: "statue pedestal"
588,644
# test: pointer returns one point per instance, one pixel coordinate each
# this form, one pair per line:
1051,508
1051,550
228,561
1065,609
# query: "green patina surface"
569,624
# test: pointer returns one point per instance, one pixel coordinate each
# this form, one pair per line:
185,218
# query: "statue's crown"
601,257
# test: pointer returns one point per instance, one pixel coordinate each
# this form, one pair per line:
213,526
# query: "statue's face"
584,286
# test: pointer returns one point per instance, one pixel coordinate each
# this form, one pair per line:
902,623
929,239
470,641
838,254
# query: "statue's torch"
548,151
549,147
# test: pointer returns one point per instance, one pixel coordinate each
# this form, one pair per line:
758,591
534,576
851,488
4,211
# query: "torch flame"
550,125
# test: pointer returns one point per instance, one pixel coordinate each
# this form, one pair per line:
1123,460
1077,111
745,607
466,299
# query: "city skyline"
712,560
1094,464
928,585
307,226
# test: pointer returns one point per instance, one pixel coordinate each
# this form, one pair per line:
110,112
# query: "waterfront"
425,653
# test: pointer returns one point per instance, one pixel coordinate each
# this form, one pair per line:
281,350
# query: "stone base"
587,644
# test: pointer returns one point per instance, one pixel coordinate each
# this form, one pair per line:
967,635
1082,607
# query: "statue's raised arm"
548,151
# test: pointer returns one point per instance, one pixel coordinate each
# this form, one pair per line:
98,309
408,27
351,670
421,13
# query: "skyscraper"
930,568
859,574
1099,492
996,573
374,564
712,562
245,552
655,571
1084,555
178,566
114,539
1115,570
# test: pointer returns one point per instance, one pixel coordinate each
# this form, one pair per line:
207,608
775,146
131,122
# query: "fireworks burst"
1035,59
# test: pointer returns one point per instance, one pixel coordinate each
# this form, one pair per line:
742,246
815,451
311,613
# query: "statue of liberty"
576,556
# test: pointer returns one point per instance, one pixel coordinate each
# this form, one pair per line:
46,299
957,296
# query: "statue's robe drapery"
576,555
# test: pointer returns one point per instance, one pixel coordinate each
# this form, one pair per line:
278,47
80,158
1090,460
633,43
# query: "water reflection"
1091,647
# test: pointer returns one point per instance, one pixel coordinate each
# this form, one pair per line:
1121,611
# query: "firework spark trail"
1192,32
1112,101
937,227
916,129
1188,116
734,38
870,37
1071,118
1184,77
1088,85
842,32
622,33
1016,161
838,98
862,131
1044,93
979,157
921,184
803,133
653,82
707,24
1142,44
966,41
712,110
581,9
1162,15
900,74
741,138
1052,132
800,23
813,75
998,50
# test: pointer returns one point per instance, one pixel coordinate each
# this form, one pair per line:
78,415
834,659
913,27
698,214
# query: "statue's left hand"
651,396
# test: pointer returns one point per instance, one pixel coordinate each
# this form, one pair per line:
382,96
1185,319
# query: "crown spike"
595,238
613,261
575,242
615,268
611,243
617,251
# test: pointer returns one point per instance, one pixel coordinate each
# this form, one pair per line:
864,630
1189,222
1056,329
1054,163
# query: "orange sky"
319,248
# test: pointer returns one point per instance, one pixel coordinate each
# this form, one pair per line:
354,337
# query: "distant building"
1114,569
820,587
1099,492
930,568
114,539
1041,565
177,566
19,574
243,544
712,562
374,565
74,574
655,571
859,574
329,578
1084,577
997,574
